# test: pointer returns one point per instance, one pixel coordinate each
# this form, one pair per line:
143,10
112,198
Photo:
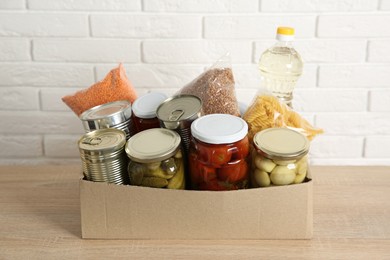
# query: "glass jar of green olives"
156,159
279,157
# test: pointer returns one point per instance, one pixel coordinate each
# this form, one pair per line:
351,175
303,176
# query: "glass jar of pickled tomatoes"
279,157
219,153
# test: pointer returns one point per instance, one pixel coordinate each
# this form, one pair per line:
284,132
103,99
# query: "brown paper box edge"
110,211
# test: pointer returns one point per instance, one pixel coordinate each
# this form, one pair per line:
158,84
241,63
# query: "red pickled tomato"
233,172
215,155
242,149
221,155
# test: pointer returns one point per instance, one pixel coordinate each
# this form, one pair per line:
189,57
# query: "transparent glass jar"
156,159
144,111
219,153
279,157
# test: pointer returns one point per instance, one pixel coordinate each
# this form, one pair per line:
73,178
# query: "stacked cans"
103,156
115,114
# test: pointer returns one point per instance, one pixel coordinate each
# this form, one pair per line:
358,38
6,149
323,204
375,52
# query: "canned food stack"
115,114
103,156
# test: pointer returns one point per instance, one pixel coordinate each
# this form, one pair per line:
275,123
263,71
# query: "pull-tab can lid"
103,140
177,109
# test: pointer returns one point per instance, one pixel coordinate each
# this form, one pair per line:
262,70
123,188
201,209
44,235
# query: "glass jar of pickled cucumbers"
279,157
156,159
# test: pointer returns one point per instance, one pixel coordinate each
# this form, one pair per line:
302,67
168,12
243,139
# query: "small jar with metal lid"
144,111
103,156
177,113
156,159
279,157
219,153
115,114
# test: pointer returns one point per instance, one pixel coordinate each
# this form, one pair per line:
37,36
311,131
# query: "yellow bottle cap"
286,31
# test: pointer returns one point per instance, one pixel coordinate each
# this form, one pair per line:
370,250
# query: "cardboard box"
110,211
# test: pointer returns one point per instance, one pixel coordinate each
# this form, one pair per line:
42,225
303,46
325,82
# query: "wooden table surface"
40,219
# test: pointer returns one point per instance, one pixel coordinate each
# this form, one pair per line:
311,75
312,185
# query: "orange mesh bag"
115,86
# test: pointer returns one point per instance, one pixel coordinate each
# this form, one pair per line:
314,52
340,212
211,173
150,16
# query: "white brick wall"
49,49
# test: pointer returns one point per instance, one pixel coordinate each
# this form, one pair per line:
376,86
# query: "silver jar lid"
102,140
153,145
106,115
281,143
179,109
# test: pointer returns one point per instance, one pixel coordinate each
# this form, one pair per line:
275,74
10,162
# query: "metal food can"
156,159
177,113
115,114
103,156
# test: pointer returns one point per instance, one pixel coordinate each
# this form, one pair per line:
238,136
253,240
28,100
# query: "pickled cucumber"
136,172
177,182
154,182
169,166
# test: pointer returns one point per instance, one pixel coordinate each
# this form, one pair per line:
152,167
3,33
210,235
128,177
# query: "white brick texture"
220,6
19,98
146,26
190,51
86,5
43,24
86,50
376,75
45,74
378,51
49,49
20,146
380,100
13,49
256,27
12,4
317,6
345,26
377,147
61,146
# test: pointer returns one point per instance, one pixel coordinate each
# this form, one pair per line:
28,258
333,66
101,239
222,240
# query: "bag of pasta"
266,111
216,88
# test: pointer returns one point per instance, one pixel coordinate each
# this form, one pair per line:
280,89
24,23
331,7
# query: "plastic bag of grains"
216,88
115,86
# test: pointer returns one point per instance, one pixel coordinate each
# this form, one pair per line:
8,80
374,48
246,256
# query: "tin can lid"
146,106
106,115
152,145
219,129
179,108
104,140
281,143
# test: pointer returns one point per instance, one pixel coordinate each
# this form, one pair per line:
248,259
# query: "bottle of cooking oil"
281,66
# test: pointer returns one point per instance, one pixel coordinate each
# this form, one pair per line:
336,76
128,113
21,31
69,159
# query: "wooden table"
40,219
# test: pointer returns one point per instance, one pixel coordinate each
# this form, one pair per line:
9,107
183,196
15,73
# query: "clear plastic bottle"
281,66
